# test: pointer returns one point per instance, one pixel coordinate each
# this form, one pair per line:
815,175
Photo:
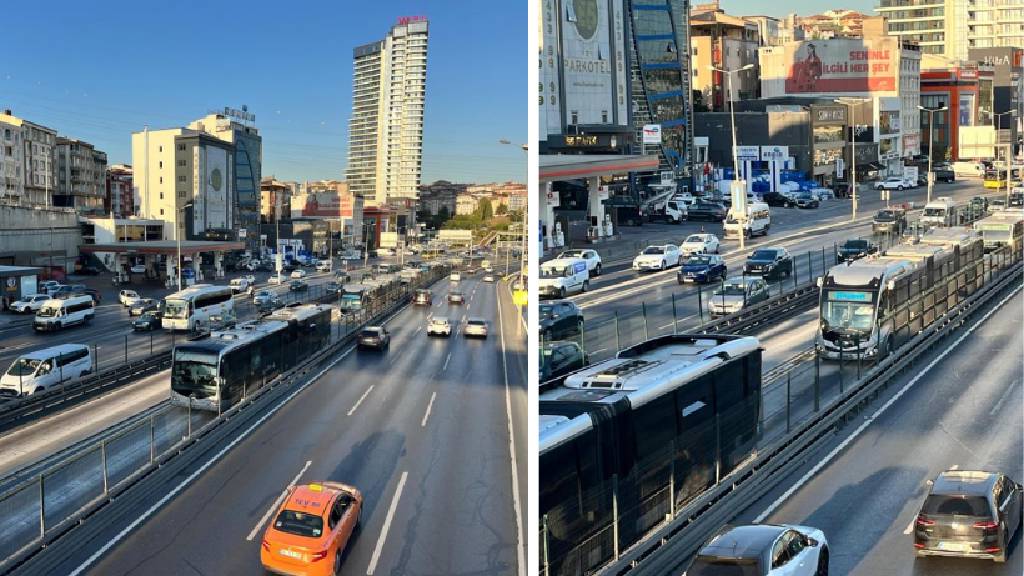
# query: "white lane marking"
910,527
418,329
360,401
520,546
1003,398
881,409
387,524
277,502
188,480
446,360
669,325
954,467
430,405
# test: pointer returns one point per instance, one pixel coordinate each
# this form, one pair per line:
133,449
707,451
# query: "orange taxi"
311,529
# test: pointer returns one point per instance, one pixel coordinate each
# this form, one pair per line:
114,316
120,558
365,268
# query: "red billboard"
842,65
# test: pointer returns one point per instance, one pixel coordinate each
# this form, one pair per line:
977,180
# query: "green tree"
502,210
486,212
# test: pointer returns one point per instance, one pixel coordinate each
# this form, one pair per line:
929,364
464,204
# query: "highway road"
963,407
422,429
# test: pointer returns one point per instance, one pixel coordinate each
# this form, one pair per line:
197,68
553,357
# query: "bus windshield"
176,309
935,212
48,311
194,374
847,316
23,367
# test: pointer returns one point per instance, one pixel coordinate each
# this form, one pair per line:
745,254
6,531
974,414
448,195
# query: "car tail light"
991,549
986,525
923,520
918,545
317,556
266,545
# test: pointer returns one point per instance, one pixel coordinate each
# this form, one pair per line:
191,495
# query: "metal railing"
36,509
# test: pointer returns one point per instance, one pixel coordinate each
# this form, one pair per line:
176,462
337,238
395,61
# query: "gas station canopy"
571,167
170,247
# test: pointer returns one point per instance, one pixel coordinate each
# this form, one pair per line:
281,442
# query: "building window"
181,147
575,117
161,179
181,162
604,116
161,195
161,148
161,211
181,178
161,163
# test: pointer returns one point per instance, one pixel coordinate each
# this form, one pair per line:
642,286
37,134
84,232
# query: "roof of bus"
862,272
197,289
44,353
300,312
227,340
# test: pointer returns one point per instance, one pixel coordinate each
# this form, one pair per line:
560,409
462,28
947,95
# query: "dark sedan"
298,286
706,211
702,268
856,248
807,200
376,337
146,322
333,288
772,262
560,357
776,199
560,320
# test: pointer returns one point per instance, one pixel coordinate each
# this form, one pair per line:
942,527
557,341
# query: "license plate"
290,553
954,546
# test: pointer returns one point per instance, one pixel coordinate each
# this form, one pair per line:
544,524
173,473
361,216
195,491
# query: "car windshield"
763,255
856,244
654,250
194,374
571,254
695,239
955,505
476,323
698,261
299,523
731,289
175,309
724,567
23,367
885,216
439,322
546,311
48,311
848,316
370,332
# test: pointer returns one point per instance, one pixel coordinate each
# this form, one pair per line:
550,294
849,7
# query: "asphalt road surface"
422,429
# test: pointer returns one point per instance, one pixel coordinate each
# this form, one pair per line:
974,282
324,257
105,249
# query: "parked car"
807,200
29,304
735,294
143,305
657,258
700,244
376,337
128,297
891,183
439,327
856,248
47,286
763,550
560,320
770,262
776,199
702,268
592,258
969,513
87,270
298,286
146,322
560,357
707,211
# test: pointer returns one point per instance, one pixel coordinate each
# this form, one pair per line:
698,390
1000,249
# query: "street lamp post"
177,236
741,215
1009,150
850,102
931,151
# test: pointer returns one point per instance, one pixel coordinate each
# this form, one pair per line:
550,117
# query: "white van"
239,285
758,220
562,276
43,369
57,314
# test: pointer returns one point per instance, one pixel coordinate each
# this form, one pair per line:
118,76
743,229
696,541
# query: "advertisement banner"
325,205
215,190
841,65
774,153
389,239
748,153
592,60
977,142
888,122
888,149
652,134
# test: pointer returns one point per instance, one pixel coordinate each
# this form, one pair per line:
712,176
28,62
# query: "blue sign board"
849,296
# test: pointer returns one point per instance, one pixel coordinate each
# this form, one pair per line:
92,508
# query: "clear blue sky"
800,7
100,70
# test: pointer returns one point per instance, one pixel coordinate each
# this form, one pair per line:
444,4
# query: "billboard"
841,65
328,204
652,134
888,122
212,205
592,60
976,142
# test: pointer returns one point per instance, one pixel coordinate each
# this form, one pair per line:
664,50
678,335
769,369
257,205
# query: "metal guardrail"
667,548
126,468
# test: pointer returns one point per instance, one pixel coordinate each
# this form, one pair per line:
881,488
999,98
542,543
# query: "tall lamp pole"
741,215
996,126
177,236
931,151
850,103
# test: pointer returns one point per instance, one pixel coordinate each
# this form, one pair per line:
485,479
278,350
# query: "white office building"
951,27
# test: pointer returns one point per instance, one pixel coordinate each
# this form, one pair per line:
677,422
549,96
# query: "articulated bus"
683,407
1004,228
353,297
874,305
214,372
194,306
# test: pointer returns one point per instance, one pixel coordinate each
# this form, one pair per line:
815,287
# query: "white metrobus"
194,306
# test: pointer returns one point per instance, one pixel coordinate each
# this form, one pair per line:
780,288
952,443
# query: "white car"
276,279
29,303
128,297
765,549
657,258
592,258
298,274
455,277
385,252
439,327
475,327
488,277
323,266
700,244
891,183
